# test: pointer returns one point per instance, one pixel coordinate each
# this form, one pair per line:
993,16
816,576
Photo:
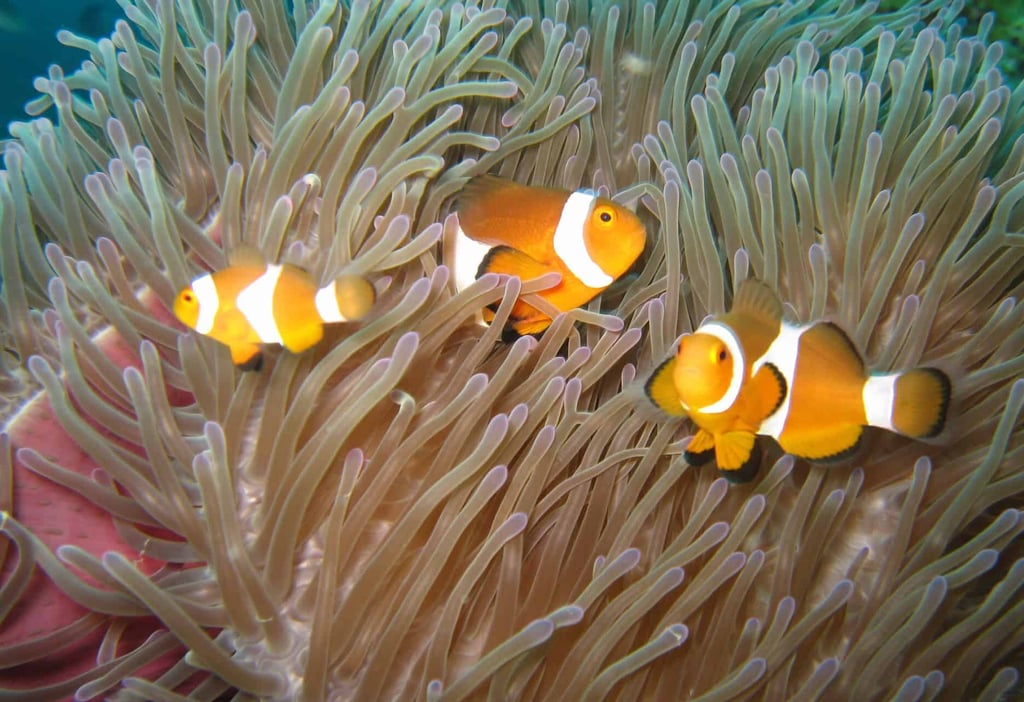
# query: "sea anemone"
415,510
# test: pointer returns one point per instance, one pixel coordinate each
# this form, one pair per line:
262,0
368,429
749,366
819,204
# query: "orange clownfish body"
252,303
523,231
749,372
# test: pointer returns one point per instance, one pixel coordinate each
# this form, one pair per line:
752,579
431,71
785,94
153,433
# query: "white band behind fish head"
209,302
465,258
739,366
256,303
782,353
570,245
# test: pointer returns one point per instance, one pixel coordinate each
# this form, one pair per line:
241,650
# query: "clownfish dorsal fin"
477,201
756,299
246,255
828,338
294,270
480,186
661,389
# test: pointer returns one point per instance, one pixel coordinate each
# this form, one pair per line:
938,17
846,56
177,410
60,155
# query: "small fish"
526,231
94,20
749,372
251,302
11,19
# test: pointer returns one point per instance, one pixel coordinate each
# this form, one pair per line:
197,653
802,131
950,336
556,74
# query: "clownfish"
749,372
524,231
252,302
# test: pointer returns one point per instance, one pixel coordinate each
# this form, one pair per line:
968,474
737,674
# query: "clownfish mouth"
690,382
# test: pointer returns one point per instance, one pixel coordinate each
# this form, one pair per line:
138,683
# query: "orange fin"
479,188
246,255
920,403
509,261
757,300
661,390
830,446
733,449
701,448
247,356
734,454
483,206
528,326
517,326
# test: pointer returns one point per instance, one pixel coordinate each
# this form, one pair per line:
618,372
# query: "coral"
414,510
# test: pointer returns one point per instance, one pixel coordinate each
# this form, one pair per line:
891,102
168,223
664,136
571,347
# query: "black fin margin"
253,363
486,260
838,457
699,459
782,384
947,391
510,335
746,472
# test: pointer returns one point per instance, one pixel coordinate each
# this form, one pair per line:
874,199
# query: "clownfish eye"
719,354
606,215
188,297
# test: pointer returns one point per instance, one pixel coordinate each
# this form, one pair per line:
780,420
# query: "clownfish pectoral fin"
769,386
247,357
701,448
661,390
734,454
758,300
830,446
505,260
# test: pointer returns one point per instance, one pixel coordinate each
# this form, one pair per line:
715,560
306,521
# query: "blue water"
29,52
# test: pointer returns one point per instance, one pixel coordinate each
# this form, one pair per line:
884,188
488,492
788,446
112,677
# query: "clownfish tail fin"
913,403
922,399
347,298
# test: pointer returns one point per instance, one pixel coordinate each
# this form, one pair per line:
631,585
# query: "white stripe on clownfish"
209,302
782,353
570,245
467,258
739,366
879,395
256,303
327,303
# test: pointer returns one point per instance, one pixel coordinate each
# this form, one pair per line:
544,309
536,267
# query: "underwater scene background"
415,508
28,43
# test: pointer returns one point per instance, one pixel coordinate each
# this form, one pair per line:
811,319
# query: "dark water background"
28,51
